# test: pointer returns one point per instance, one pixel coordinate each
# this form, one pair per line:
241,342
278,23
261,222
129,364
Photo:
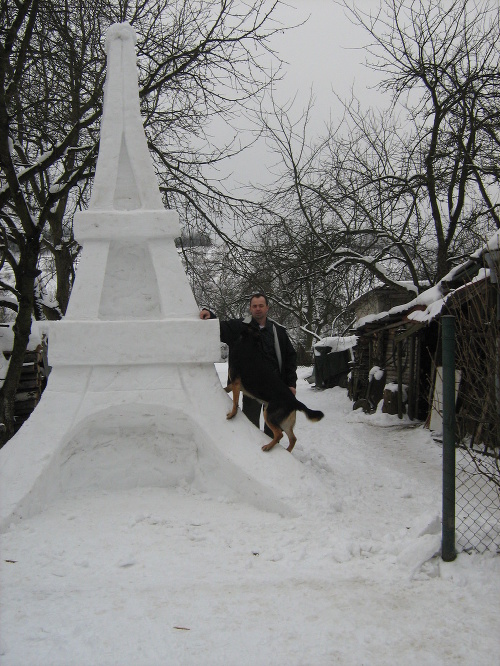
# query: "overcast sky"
324,55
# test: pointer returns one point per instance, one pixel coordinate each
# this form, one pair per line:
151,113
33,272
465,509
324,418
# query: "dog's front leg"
236,388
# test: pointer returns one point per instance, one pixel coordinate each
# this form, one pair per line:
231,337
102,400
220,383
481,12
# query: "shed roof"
428,305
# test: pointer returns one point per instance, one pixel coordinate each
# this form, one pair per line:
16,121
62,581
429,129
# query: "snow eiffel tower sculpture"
133,398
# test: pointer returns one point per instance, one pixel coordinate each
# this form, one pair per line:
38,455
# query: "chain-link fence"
476,310
477,501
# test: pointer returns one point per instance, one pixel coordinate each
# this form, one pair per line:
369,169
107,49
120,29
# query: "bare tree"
439,64
397,195
285,244
403,192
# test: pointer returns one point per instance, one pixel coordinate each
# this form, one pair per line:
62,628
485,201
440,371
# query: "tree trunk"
443,263
22,329
65,271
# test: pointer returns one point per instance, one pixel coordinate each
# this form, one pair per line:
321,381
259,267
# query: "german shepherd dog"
251,375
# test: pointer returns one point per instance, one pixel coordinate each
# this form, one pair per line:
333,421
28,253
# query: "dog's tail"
312,414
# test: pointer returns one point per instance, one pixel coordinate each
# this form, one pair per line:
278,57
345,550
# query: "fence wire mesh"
476,309
477,502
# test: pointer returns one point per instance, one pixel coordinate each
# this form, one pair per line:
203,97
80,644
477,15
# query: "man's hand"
204,314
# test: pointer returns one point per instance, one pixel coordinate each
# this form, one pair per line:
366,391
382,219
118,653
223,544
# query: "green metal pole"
448,552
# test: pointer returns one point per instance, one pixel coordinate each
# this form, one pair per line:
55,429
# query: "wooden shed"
392,361
398,355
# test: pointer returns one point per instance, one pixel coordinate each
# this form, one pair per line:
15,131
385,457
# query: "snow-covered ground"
155,576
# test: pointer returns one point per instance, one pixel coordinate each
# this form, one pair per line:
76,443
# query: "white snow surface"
147,575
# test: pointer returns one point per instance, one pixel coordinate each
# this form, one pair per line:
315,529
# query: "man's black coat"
276,345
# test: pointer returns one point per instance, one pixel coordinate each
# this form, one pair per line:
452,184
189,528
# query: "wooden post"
448,552
400,380
411,380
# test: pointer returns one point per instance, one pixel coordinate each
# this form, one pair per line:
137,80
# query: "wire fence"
477,502
476,311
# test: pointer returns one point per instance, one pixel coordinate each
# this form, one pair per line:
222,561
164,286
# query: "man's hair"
258,294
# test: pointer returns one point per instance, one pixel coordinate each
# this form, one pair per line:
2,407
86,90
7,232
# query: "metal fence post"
448,552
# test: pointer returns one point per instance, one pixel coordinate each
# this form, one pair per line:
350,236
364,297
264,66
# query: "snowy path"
168,576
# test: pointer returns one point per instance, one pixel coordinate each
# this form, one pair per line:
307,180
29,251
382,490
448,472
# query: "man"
276,348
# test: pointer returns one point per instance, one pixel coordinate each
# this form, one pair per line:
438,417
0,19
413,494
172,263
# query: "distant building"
380,299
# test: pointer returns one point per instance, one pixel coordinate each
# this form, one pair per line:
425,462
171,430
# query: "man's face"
259,309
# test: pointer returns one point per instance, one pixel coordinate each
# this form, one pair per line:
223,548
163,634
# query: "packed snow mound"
133,446
149,448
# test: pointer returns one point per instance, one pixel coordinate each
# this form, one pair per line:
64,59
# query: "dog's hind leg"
287,425
235,387
277,433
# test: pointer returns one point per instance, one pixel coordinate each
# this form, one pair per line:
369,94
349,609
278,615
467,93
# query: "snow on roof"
430,313
38,329
337,344
369,319
428,305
